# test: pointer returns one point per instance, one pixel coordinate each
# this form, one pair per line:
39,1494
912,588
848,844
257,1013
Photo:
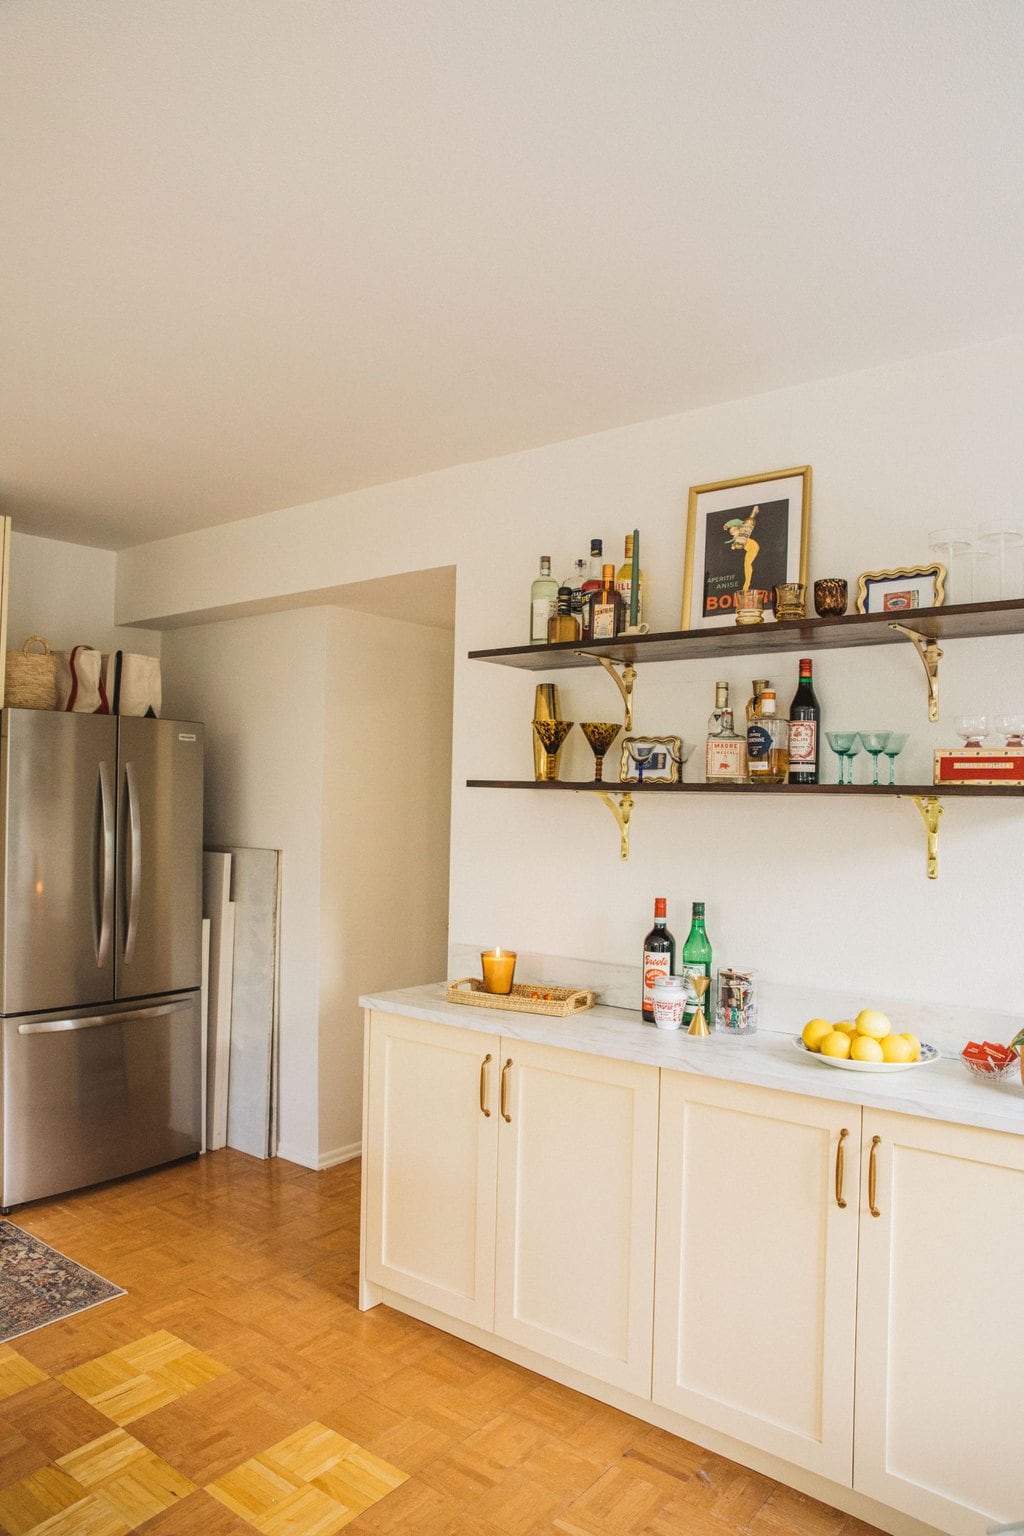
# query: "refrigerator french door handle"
106,872
133,869
129,1015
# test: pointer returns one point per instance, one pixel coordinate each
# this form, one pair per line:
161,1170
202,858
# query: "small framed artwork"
744,535
898,591
651,760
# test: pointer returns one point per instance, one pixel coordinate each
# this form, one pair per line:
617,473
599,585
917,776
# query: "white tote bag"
80,684
132,683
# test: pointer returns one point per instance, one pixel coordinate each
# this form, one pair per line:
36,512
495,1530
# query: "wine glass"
892,749
845,745
600,734
973,729
1011,729
874,742
551,734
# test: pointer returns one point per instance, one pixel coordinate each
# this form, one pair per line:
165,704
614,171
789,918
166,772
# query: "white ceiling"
258,252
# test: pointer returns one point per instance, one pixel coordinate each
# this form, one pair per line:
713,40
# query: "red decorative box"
979,765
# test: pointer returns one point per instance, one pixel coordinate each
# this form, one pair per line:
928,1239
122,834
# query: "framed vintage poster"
744,535
898,590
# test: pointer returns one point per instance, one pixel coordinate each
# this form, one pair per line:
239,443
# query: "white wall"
258,684
386,802
834,894
65,593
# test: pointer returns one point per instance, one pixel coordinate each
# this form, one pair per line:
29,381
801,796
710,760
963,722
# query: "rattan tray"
557,1002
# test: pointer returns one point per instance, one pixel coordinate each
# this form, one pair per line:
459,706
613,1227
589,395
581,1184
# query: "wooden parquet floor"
237,1388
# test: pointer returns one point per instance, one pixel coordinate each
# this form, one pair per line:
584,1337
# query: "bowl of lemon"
867,1043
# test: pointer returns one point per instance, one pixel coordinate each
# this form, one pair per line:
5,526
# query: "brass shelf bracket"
621,812
930,654
930,807
624,683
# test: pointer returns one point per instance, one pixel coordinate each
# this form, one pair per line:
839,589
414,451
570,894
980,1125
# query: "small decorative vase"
830,597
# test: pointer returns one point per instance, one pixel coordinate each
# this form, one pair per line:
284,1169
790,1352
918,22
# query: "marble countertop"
940,1090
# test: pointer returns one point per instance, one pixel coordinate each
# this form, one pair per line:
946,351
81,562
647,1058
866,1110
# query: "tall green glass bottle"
696,962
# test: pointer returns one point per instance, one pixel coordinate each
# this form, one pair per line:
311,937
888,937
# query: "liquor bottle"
543,595
696,962
757,687
725,759
606,612
563,625
659,956
767,743
804,729
574,581
624,583
593,582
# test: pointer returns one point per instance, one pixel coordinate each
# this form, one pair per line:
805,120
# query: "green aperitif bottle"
696,961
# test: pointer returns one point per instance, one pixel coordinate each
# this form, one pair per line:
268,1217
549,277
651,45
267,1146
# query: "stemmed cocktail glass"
874,742
551,734
845,745
892,749
600,734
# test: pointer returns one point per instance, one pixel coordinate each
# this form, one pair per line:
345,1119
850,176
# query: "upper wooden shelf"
960,621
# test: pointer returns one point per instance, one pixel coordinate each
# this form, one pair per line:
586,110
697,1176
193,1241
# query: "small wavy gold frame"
937,572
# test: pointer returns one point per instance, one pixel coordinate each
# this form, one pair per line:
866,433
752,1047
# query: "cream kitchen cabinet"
430,1165
940,1344
513,1186
756,1285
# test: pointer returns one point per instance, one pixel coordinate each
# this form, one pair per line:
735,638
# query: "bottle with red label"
659,956
804,729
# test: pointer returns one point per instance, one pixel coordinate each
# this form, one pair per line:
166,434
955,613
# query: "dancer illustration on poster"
742,537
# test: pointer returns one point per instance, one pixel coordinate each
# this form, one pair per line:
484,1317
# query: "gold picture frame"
667,763
900,590
716,568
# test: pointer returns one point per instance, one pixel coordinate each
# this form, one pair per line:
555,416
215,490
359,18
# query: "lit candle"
499,967
634,582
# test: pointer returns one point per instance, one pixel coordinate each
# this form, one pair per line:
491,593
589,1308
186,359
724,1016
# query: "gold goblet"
600,734
699,1024
551,734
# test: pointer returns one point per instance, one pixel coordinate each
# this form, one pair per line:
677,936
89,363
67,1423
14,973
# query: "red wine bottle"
804,729
659,956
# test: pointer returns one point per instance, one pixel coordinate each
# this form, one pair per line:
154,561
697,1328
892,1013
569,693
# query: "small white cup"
669,998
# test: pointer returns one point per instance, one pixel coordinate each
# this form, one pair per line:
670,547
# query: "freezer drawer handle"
135,877
62,1026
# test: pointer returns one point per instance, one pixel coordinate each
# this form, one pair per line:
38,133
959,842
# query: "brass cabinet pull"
876,1142
840,1168
504,1091
483,1085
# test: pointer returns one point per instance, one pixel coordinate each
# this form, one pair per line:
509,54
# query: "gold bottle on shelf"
546,706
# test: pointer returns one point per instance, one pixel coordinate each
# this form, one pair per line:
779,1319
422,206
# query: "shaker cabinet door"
940,1357
755,1293
431,1150
577,1175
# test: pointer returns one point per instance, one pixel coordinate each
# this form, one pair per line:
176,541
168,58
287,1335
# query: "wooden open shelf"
961,621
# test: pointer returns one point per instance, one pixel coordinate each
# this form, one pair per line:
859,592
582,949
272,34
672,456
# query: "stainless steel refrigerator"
100,947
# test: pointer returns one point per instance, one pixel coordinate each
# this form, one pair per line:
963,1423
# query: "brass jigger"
699,1024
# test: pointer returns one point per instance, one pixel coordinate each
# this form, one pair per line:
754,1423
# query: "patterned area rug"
38,1285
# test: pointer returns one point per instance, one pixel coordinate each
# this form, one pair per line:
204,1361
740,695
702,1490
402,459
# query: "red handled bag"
80,686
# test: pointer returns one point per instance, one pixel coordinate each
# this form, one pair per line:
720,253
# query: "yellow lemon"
915,1047
835,1044
814,1033
897,1048
864,1048
872,1023
847,1026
